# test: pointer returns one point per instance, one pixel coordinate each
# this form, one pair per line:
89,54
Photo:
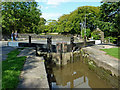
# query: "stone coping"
34,73
103,60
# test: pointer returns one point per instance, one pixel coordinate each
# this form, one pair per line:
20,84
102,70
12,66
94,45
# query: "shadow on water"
74,75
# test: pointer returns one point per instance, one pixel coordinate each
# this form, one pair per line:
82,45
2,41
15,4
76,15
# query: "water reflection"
76,75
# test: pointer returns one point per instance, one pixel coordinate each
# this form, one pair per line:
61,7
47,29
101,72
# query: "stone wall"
108,75
58,58
61,58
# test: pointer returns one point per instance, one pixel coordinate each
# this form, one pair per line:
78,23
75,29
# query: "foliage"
112,39
25,18
11,69
113,52
41,25
106,17
70,23
52,26
88,32
109,16
96,35
62,23
20,16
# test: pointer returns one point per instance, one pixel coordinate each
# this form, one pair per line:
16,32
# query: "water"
75,75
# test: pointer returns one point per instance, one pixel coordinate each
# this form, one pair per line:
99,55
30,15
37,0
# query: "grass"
113,52
11,69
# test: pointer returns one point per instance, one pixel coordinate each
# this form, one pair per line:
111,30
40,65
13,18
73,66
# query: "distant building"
101,33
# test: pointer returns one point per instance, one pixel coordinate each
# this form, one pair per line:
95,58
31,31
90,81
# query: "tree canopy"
110,18
25,18
70,23
106,17
21,16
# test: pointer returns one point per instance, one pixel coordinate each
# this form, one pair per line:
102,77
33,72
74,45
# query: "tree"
70,23
110,16
62,23
52,26
41,25
21,16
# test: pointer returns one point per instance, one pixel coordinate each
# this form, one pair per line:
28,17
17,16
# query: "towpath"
34,73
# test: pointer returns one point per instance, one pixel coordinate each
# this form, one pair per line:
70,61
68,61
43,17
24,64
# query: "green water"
75,75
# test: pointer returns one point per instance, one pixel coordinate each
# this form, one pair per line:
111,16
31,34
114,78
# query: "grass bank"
11,69
113,52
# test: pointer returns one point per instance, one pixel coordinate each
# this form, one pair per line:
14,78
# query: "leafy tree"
41,25
88,33
71,22
110,16
20,16
52,26
62,23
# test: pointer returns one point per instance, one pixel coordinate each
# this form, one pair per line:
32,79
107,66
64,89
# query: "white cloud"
51,2
46,7
41,0
56,2
48,16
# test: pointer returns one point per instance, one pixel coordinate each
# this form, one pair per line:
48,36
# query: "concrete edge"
99,63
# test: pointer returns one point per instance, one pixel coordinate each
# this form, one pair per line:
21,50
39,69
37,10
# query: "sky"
53,9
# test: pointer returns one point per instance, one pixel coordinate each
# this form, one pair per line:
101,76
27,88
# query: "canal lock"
79,72
75,69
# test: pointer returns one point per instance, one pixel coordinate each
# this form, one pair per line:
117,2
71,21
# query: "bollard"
29,40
